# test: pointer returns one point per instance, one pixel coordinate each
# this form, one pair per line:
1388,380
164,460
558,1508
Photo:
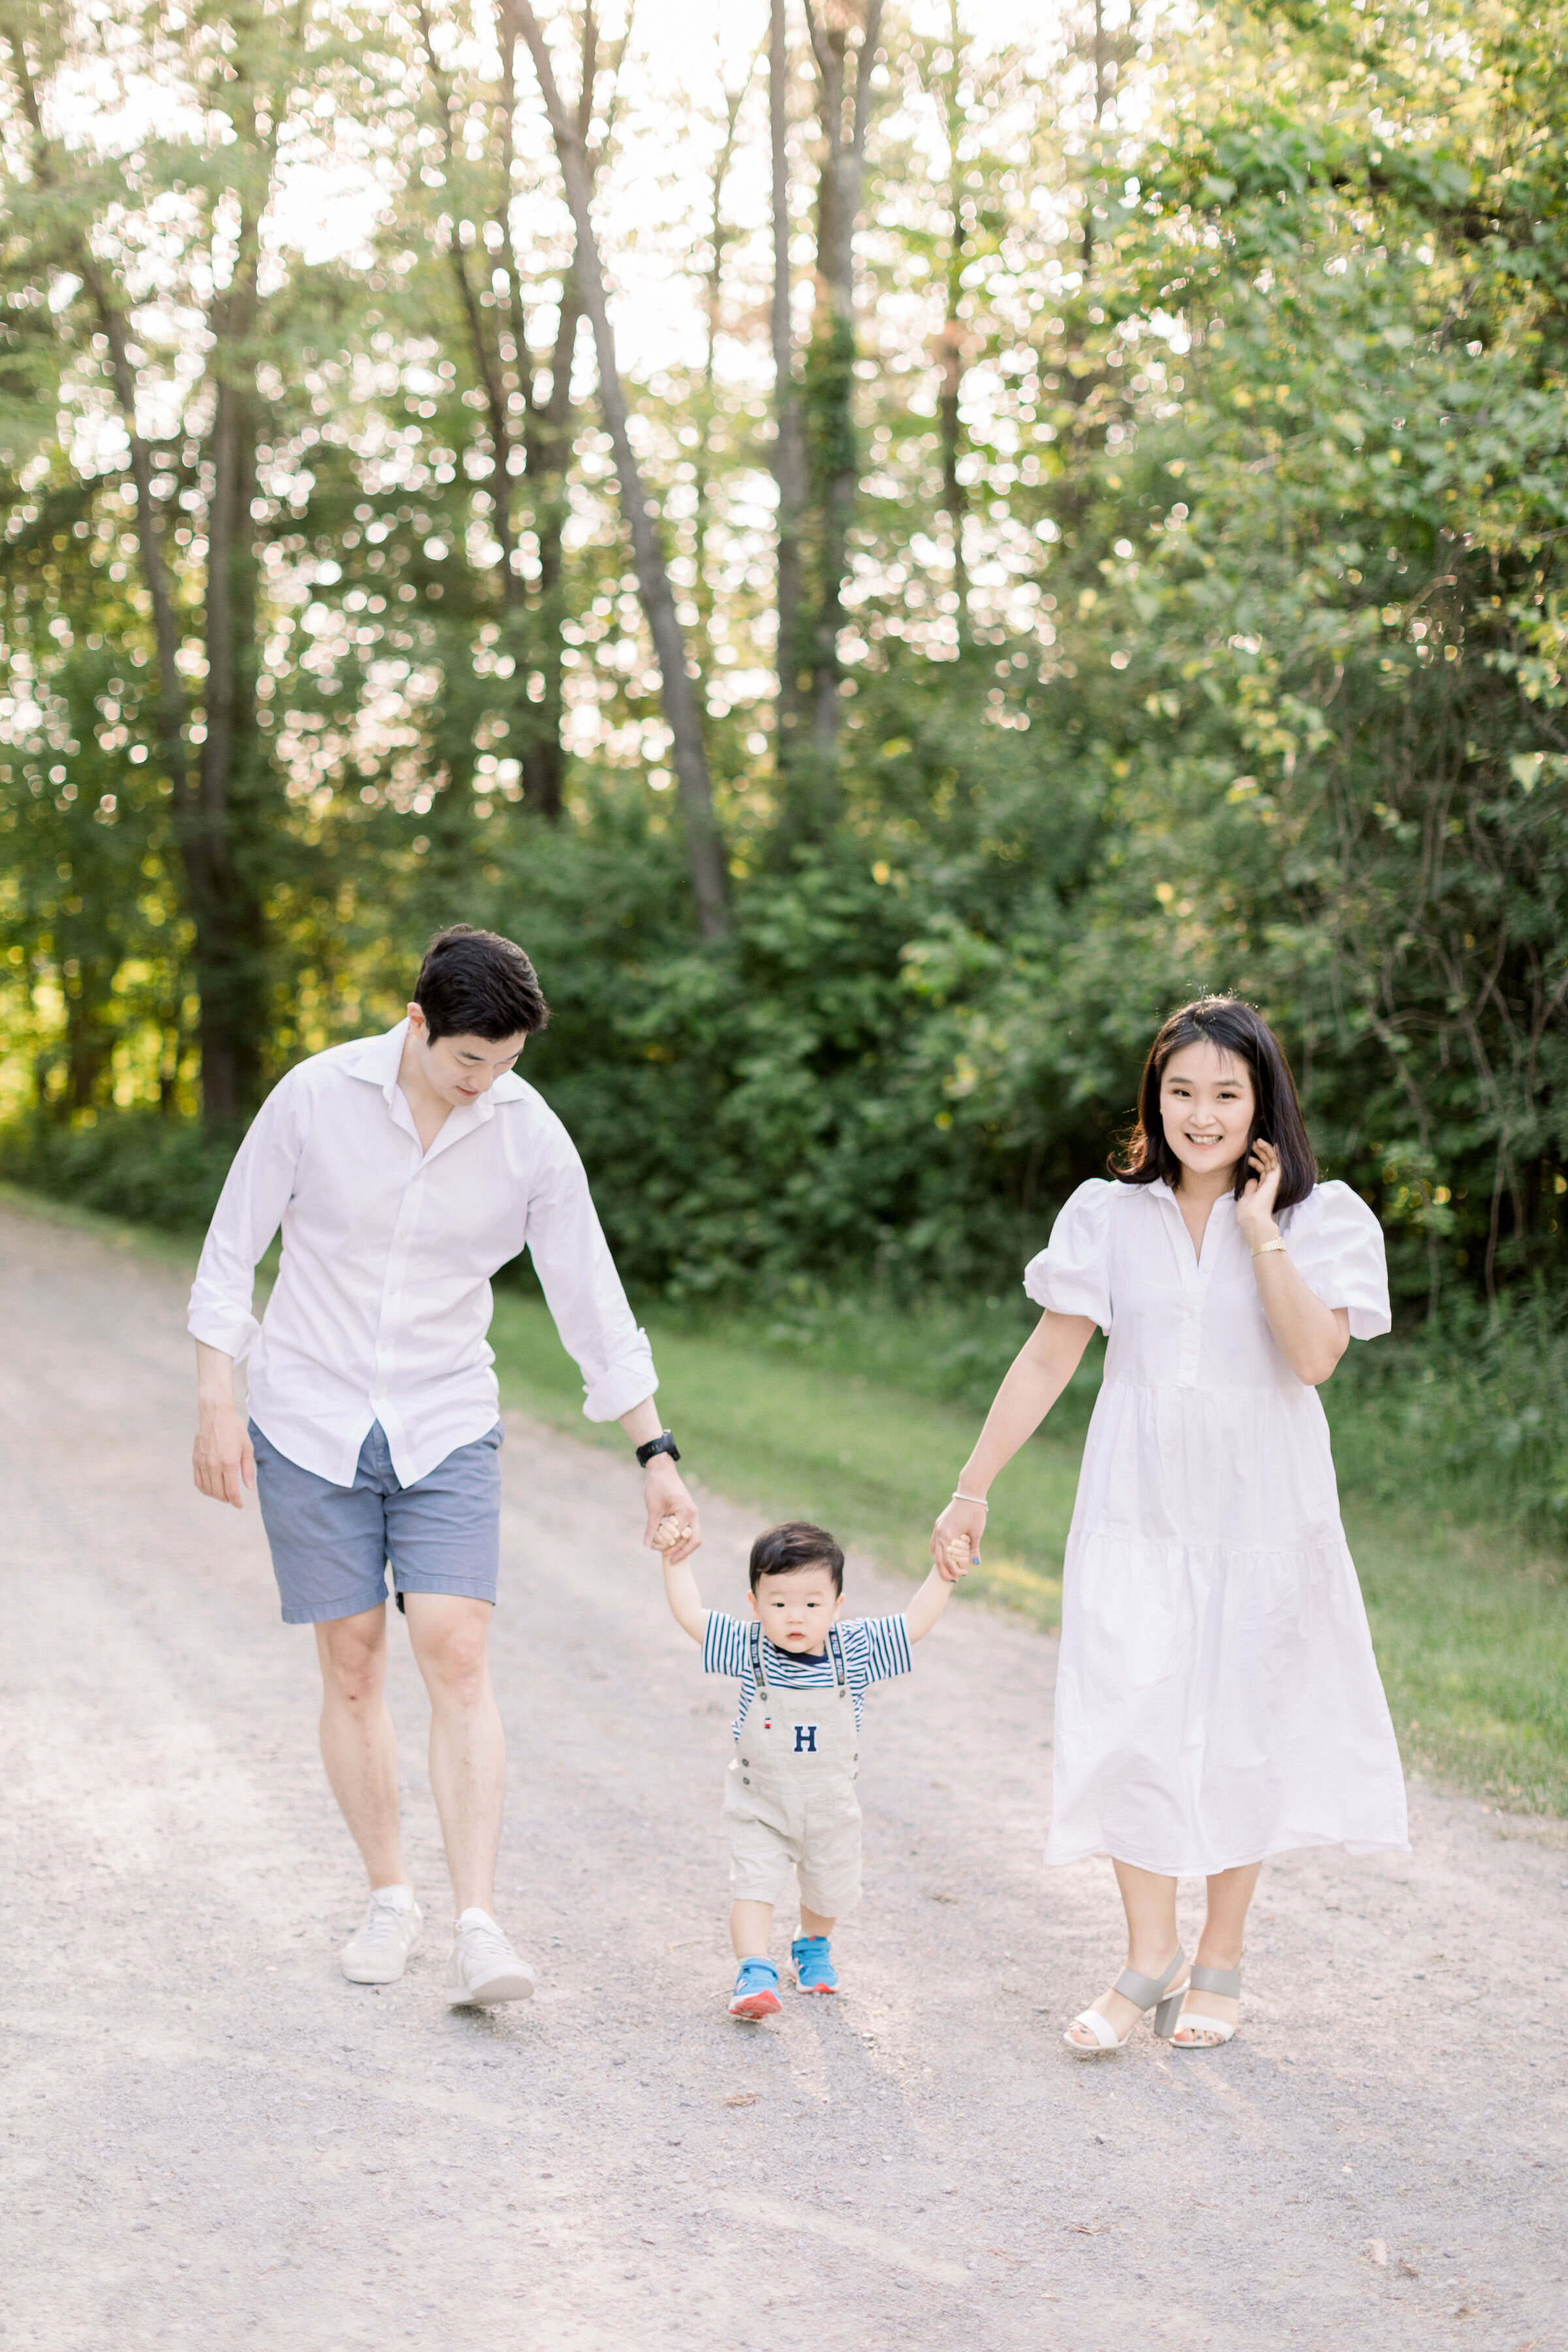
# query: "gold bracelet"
1264,1247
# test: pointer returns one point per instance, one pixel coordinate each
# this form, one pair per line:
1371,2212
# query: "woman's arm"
1310,1335
1037,1377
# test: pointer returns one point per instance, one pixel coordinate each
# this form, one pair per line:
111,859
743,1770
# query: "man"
403,1170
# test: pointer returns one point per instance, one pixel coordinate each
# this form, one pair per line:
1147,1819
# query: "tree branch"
703,847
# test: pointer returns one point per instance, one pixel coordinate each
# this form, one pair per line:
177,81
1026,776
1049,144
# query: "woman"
1217,1700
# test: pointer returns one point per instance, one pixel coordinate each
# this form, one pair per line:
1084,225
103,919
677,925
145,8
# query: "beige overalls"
789,1793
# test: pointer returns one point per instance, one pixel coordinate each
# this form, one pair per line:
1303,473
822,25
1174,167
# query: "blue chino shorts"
332,1546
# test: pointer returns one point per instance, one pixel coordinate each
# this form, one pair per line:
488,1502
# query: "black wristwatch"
662,1444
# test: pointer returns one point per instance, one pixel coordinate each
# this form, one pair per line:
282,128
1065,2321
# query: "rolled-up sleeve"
250,1208
581,1289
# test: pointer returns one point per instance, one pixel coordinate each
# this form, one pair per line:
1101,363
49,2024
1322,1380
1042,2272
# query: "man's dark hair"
476,984
796,1544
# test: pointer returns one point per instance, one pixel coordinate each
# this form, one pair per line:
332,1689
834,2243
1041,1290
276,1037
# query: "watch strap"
663,1443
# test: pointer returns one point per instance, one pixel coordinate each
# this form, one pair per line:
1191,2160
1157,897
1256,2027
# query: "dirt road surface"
212,2141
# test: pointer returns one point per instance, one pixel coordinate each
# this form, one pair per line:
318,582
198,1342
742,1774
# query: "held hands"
1255,1209
223,1458
673,1526
955,1541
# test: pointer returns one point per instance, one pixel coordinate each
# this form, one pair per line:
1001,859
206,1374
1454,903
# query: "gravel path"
215,2142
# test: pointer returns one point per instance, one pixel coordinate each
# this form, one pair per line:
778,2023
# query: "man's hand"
665,1497
223,1457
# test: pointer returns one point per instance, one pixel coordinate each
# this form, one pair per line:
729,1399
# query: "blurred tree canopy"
1111,498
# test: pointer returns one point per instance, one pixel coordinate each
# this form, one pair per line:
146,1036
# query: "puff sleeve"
1336,1246
1072,1275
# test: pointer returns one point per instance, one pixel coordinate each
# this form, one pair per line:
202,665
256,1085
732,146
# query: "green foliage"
1479,1400
1259,679
164,1172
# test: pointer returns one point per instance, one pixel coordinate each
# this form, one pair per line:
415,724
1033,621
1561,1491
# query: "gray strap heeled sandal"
1146,1992
1224,1981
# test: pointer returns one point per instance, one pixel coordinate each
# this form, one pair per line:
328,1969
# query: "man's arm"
663,1490
224,1458
588,1305
255,1195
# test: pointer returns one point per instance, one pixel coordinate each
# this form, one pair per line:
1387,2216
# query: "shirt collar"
378,1060
1163,1191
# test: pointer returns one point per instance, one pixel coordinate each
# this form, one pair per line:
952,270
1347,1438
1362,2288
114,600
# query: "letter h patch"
805,1739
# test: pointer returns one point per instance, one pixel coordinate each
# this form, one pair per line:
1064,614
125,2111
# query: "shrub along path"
215,2140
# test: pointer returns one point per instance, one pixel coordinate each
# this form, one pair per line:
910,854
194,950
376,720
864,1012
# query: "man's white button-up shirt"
382,1300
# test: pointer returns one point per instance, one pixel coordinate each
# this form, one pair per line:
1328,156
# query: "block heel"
1146,1992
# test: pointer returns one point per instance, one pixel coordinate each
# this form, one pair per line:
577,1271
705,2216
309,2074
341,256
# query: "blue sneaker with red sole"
814,1970
756,1992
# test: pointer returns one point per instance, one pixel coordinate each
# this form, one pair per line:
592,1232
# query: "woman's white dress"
1218,1699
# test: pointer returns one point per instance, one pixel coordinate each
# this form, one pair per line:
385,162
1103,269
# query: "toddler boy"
789,1792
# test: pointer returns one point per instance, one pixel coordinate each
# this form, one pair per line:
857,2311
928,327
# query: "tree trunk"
954,498
830,365
704,849
228,1050
541,777
702,592
225,833
789,437
547,456
231,821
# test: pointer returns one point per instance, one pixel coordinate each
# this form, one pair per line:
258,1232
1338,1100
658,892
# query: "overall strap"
835,1651
758,1677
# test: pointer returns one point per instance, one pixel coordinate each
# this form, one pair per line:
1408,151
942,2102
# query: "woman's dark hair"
796,1544
476,984
1224,1022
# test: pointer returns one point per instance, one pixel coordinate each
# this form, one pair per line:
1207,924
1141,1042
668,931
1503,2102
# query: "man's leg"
359,1747
468,1749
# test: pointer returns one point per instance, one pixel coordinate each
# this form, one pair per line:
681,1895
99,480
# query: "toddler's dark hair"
796,1544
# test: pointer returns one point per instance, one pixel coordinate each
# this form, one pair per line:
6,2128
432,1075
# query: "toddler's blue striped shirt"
875,1650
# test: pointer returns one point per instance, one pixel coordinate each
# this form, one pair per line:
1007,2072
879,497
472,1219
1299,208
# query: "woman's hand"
955,1541
1255,1209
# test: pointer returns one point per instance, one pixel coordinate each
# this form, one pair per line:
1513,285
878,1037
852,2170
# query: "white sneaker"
379,1953
484,1968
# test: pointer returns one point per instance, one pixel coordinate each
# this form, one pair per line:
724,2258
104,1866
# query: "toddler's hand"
960,1560
669,1533
955,1540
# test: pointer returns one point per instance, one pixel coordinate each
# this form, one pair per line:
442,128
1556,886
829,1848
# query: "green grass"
794,1438
861,1416
812,1417
145,1241
1471,1633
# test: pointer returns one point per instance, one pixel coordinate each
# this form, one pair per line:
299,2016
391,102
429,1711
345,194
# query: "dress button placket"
1193,1271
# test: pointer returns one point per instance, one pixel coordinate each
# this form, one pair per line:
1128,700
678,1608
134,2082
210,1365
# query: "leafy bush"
1475,1413
135,1164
